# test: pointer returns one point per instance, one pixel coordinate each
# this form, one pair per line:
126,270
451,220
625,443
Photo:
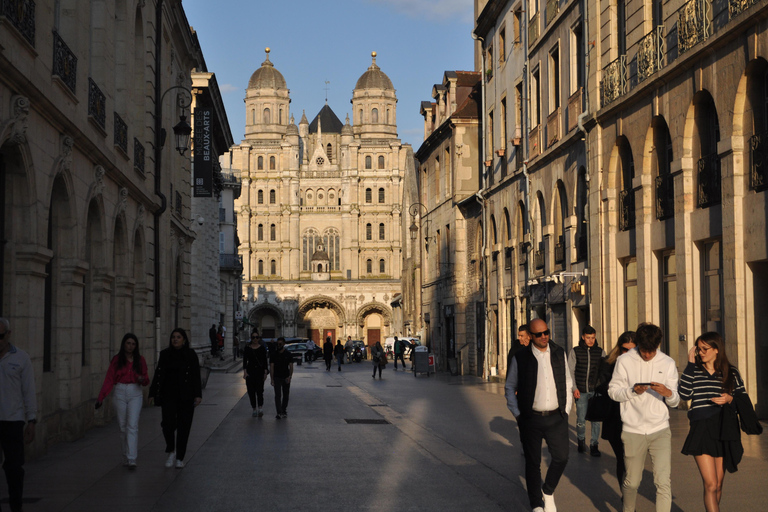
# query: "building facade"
319,219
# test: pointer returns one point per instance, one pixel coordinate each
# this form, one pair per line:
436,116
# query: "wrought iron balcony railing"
138,155
538,259
121,133
615,80
693,24
665,196
560,250
231,262
21,14
650,54
533,29
553,7
626,210
64,63
534,145
522,254
553,127
179,204
97,104
736,7
709,180
758,149
574,109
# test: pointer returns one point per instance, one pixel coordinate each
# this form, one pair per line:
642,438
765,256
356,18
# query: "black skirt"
704,438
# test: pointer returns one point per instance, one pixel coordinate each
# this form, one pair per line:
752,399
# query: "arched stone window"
272,197
369,266
368,162
272,232
260,197
706,157
273,267
381,231
368,231
381,195
332,243
272,163
581,215
381,162
260,163
368,195
661,162
382,267
375,116
260,233
329,151
267,116
261,267
626,192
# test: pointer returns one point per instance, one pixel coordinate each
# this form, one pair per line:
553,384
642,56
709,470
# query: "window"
517,25
368,164
260,197
280,121
369,266
272,232
375,116
382,267
381,162
381,231
328,151
331,240
368,195
273,267
267,117
630,294
260,164
621,26
272,197
368,232
309,240
577,56
261,267
554,80
502,45
535,97
272,163
712,286
260,232
381,195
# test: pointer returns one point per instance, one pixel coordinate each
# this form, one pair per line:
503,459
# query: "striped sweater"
697,385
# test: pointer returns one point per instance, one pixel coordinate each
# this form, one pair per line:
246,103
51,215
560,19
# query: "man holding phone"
645,383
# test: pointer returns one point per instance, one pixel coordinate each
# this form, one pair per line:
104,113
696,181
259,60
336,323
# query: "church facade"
319,218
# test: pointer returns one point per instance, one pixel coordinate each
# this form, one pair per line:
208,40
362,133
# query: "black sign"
203,163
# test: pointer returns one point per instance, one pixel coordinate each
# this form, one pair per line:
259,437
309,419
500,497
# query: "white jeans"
128,400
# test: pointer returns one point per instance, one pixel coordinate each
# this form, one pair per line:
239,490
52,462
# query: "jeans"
636,448
176,423
12,442
581,421
282,392
127,400
340,360
554,430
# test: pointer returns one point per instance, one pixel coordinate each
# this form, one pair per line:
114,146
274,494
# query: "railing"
650,54
615,80
553,127
534,146
533,29
538,259
321,174
758,149
693,24
230,261
320,209
518,157
222,214
121,133
138,155
574,109
522,254
21,14
626,210
581,246
736,7
64,63
665,196
560,250
97,104
709,180
553,7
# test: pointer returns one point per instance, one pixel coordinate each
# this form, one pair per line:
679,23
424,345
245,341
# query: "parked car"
297,350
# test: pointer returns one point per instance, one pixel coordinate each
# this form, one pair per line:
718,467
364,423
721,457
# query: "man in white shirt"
645,382
539,395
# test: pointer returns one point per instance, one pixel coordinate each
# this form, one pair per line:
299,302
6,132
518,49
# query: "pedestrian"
539,395
220,342
255,369
612,424
311,351
712,384
328,353
127,373
379,359
177,389
583,363
349,347
18,405
281,371
644,382
399,352
523,339
214,340
235,347
338,352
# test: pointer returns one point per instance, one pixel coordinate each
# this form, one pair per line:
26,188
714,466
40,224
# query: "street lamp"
414,210
182,131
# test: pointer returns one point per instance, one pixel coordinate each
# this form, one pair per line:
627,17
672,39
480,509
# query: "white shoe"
171,460
538,509
549,502
179,464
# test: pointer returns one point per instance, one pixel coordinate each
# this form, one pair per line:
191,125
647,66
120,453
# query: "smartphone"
643,384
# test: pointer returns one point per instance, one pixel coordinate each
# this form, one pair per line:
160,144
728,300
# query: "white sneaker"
179,464
549,502
538,509
171,460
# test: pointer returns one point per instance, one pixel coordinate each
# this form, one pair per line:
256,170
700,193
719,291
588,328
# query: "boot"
593,451
582,447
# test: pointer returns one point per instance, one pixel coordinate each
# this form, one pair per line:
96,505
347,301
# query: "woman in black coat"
177,389
328,353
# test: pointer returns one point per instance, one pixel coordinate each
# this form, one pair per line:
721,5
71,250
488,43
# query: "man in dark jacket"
214,340
281,371
538,392
583,363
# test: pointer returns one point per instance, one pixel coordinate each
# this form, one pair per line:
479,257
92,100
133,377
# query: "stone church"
320,219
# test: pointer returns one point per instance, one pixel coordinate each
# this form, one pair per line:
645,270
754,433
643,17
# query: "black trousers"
255,386
12,442
176,423
282,392
401,358
554,430
328,361
618,450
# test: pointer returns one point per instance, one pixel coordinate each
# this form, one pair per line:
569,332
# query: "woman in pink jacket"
127,373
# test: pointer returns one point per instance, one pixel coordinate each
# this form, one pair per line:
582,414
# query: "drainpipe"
158,162
525,143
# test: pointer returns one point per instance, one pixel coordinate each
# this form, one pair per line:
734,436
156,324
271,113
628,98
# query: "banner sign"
203,163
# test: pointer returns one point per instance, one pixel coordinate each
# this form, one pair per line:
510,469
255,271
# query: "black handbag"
599,407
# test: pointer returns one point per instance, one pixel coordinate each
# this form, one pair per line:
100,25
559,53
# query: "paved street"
449,444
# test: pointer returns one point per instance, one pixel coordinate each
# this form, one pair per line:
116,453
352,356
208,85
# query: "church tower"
374,104
266,103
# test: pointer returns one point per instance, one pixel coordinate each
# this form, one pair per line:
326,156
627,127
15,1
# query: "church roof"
267,77
329,122
320,255
374,78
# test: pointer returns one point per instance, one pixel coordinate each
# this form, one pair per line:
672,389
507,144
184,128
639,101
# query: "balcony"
553,127
533,29
650,54
574,109
121,133
232,262
709,180
626,210
758,150
97,104
138,156
693,24
522,254
553,7
560,251
534,147
615,80
665,196
736,7
64,63
179,204
21,15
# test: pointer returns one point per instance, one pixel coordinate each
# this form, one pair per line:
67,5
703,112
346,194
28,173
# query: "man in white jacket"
645,383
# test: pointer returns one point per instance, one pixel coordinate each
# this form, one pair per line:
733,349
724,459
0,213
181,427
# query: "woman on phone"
127,373
177,388
710,382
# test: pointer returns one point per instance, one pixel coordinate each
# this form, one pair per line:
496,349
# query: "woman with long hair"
127,373
710,383
255,370
177,389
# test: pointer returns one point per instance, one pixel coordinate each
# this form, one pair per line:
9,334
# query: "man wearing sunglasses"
539,395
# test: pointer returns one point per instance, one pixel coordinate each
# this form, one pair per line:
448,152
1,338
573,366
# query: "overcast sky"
313,42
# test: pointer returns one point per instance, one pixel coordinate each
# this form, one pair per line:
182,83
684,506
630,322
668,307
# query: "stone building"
447,226
319,219
95,209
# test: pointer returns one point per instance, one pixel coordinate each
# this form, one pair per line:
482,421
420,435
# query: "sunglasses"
540,334
2,334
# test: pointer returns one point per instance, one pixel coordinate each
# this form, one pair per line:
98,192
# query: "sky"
312,42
